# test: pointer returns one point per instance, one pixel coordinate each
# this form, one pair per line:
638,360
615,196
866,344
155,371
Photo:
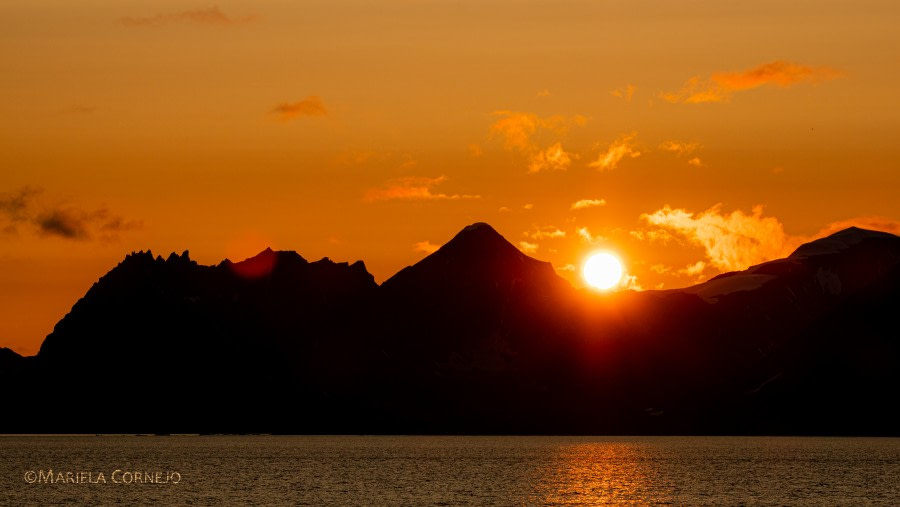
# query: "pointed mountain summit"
478,257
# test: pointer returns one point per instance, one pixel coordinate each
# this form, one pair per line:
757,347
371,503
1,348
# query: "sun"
602,271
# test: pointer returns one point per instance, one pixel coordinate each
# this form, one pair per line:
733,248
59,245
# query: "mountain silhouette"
477,337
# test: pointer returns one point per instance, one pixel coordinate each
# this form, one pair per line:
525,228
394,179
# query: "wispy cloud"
426,246
626,92
732,241
208,16
693,269
779,73
527,247
545,232
519,130
21,208
413,188
630,282
622,147
683,149
721,85
553,158
587,203
679,148
586,235
310,106
737,240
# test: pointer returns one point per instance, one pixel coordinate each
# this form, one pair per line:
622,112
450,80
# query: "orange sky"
689,137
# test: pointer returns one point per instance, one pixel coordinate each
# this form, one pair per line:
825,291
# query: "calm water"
271,470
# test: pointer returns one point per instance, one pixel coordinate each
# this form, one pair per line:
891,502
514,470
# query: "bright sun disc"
602,271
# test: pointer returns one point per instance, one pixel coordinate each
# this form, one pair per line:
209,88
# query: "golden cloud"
679,148
527,247
586,235
412,188
719,86
426,246
545,232
553,158
622,147
310,106
518,130
209,16
587,203
693,269
732,241
626,92
737,240
780,73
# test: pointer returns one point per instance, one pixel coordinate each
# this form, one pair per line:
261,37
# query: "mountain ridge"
476,337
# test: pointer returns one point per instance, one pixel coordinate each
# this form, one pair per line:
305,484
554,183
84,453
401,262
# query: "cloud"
629,282
518,131
568,267
737,240
527,247
586,235
587,203
425,246
15,205
697,91
660,268
553,158
543,93
732,241
721,85
683,149
412,188
653,235
68,222
545,232
693,269
626,92
622,147
780,73
310,106
208,16
679,148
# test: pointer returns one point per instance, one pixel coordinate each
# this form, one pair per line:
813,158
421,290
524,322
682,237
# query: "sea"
447,470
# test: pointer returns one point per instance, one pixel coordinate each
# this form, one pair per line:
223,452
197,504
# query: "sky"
689,138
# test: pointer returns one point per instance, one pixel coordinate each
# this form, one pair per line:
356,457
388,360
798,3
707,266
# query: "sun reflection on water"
601,473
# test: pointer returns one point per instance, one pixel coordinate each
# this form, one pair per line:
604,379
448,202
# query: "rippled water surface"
372,470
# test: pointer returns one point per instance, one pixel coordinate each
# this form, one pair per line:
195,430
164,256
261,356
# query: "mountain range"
475,338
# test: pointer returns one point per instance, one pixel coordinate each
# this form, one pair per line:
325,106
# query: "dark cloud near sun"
24,208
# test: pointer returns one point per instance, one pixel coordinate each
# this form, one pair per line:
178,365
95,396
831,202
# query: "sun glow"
602,271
